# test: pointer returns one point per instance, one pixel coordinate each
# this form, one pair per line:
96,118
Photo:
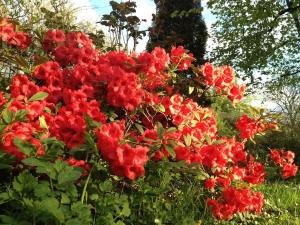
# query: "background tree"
286,94
123,25
179,23
257,36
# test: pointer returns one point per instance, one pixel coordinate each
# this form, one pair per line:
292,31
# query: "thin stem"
85,186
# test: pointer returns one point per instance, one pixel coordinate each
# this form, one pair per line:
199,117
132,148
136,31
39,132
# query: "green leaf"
33,162
126,210
171,130
5,166
47,110
208,139
170,149
106,186
161,108
20,114
41,166
40,60
51,205
42,189
43,123
92,123
89,139
25,147
69,174
25,182
173,143
7,220
202,175
218,142
160,130
65,199
38,96
139,127
94,197
4,197
7,116
81,211
187,140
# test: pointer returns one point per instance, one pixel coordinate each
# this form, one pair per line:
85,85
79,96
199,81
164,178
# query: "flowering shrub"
123,112
284,159
12,37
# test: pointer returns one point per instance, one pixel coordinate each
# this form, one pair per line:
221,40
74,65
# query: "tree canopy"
261,36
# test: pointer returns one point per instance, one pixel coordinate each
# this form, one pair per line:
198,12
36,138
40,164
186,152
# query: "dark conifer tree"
179,22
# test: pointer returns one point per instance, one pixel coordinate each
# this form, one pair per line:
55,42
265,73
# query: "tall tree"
179,22
257,36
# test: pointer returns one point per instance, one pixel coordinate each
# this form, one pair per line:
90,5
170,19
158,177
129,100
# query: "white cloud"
85,11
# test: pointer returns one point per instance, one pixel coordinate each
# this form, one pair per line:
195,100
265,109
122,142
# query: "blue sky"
102,6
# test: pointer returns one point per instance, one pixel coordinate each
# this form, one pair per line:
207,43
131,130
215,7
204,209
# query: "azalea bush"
89,137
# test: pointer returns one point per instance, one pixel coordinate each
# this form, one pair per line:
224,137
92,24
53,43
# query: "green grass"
282,202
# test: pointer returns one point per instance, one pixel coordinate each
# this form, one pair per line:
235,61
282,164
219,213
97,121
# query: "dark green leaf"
170,149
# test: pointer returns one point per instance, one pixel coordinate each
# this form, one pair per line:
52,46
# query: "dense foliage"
105,138
257,36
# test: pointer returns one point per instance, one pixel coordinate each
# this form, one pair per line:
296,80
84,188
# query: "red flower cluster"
210,183
125,160
74,47
153,65
222,78
181,58
125,91
249,127
255,172
130,161
284,159
10,36
25,132
235,200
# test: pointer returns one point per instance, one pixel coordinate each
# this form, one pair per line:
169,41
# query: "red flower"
289,170
236,93
7,34
180,58
22,88
129,162
210,183
255,173
109,137
2,99
247,127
